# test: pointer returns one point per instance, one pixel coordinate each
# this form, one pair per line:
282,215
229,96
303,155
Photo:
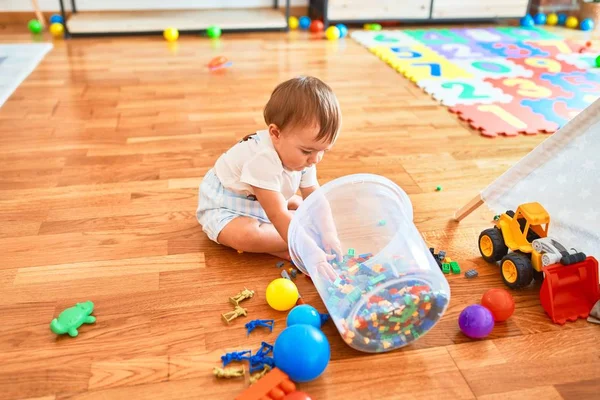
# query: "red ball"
499,302
316,26
297,396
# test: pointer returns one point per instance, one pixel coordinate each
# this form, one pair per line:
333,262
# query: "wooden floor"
101,152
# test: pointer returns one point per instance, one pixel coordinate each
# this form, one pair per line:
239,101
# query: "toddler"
247,199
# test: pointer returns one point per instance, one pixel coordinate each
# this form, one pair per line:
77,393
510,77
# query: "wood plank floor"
102,150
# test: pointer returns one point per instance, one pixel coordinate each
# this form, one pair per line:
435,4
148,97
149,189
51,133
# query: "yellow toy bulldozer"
525,233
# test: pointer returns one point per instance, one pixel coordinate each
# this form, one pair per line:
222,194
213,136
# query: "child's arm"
275,207
329,235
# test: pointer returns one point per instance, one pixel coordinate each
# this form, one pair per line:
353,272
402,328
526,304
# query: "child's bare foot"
284,254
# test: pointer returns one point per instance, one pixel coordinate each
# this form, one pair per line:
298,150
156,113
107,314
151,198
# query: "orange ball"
499,302
316,26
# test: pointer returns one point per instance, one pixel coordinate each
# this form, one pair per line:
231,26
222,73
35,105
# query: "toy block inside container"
275,385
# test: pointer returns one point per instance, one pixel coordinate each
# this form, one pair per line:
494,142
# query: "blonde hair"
303,101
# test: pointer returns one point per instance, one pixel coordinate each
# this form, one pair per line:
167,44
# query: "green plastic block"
446,268
454,267
351,252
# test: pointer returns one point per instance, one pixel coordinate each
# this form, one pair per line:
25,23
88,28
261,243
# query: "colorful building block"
275,385
455,267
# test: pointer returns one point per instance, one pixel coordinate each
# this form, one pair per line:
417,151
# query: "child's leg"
294,202
250,235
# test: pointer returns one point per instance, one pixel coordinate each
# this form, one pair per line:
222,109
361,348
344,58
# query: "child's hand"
331,244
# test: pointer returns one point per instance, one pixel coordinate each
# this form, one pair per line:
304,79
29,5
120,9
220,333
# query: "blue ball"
304,314
343,30
56,19
562,18
540,19
527,21
304,22
302,352
587,24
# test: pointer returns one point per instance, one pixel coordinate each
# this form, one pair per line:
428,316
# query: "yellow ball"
572,22
171,34
57,29
293,22
552,19
282,294
332,33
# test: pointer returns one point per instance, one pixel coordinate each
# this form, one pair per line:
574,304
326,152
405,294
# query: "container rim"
328,187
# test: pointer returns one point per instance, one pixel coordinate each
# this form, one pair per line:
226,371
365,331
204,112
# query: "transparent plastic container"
388,290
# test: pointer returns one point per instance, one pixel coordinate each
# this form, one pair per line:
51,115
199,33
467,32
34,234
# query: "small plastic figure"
236,356
241,296
228,372
231,315
254,378
267,323
72,318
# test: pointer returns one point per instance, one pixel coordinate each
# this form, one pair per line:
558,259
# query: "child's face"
297,146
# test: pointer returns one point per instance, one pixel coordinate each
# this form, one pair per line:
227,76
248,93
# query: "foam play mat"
17,61
501,80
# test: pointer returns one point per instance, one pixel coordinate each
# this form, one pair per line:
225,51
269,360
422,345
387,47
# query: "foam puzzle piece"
554,47
451,92
522,33
508,119
493,67
485,35
559,110
383,38
533,88
470,50
513,50
583,61
540,65
579,82
419,62
435,36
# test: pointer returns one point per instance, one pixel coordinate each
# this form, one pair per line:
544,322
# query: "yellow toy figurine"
231,315
243,295
228,372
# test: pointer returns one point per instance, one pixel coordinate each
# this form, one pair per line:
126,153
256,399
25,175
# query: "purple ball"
476,321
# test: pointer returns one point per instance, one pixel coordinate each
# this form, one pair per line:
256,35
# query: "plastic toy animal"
72,318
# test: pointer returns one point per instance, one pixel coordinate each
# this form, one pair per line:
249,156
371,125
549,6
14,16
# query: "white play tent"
562,174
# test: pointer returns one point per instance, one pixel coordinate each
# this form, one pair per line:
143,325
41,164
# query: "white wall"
89,5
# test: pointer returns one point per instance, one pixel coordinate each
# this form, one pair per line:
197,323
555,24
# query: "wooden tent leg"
38,13
468,208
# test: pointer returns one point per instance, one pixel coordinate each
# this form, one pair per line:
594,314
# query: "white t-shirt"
254,161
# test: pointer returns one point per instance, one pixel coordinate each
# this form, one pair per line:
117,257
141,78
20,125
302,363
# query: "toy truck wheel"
491,245
517,271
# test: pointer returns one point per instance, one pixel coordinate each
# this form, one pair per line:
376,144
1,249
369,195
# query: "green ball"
213,32
35,26
598,62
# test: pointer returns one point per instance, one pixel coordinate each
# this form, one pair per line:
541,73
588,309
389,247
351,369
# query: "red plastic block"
570,291
508,119
275,385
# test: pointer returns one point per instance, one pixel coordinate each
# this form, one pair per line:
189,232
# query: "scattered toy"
381,222
231,315
285,275
293,273
471,273
454,267
228,372
282,294
241,296
275,381
236,356
254,378
72,318
267,323
304,314
280,264
476,321
438,188
500,303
